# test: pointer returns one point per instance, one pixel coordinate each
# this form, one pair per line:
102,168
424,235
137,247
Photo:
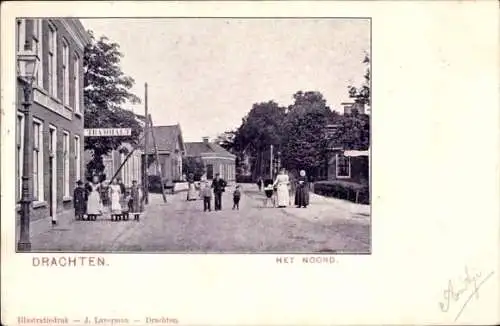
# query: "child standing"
206,193
236,198
80,200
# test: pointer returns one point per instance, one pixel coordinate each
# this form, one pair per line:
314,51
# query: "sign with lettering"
107,132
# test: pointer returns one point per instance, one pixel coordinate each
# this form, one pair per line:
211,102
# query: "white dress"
116,207
282,182
94,204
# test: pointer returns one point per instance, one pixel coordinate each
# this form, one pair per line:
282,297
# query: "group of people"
205,190
89,200
279,191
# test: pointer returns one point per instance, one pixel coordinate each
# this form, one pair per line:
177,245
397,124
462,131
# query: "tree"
106,91
305,141
362,94
226,140
260,128
353,132
194,165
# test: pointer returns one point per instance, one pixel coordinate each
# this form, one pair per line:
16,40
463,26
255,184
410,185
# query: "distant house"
215,158
347,164
171,149
350,107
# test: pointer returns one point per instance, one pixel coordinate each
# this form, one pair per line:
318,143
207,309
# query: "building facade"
131,169
57,112
215,158
346,164
170,146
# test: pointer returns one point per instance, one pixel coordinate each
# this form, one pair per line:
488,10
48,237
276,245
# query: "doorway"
52,173
210,171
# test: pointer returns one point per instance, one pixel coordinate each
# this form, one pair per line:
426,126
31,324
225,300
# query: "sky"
205,74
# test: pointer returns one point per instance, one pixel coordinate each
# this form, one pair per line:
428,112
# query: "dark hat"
79,182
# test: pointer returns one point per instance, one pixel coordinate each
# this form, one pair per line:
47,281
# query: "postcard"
253,163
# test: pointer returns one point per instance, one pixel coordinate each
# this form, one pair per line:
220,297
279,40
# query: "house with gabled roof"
346,163
171,149
215,158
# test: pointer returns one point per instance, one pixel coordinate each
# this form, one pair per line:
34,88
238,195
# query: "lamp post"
27,66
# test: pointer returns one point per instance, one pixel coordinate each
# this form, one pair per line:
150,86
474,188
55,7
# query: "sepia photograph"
193,135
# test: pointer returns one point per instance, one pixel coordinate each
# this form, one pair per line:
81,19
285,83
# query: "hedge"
244,179
155,183
343,190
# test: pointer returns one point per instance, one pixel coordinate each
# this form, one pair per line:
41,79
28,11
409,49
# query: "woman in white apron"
115,196
192,192
94,203
281,184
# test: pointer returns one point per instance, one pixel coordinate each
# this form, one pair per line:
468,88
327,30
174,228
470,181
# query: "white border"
423,235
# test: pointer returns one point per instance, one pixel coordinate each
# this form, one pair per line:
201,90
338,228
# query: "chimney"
347,107
205,140
359,107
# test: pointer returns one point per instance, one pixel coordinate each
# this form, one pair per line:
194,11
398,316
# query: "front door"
210,171
51,195
52,175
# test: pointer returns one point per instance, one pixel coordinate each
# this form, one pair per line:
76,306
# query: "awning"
357,153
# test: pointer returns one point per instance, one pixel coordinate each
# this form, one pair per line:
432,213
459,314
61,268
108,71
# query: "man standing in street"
218,185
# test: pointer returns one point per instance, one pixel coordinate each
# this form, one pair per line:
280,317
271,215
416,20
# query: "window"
65,72
52,61
66,163
77,158
37,48
343,166
21,34
122,171
19,153
37,160
76,83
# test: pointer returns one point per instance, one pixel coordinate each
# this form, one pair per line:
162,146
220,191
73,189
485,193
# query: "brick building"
215,158
57,112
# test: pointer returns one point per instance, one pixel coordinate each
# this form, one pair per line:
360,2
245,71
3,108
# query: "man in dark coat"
122,185
219,187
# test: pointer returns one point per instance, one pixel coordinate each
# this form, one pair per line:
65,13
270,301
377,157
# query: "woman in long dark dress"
80,200
302,190
136,202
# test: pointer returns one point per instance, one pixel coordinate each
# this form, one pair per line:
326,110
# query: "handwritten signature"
470,286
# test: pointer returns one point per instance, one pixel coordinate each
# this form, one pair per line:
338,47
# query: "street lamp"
27,66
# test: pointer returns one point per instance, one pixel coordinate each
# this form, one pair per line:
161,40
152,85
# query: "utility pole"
146,141
150,120
271,163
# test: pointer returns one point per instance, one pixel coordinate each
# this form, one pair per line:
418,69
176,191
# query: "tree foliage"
362,94
106,92
226,140
299,133
194,165
261,127
304,146
353,132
